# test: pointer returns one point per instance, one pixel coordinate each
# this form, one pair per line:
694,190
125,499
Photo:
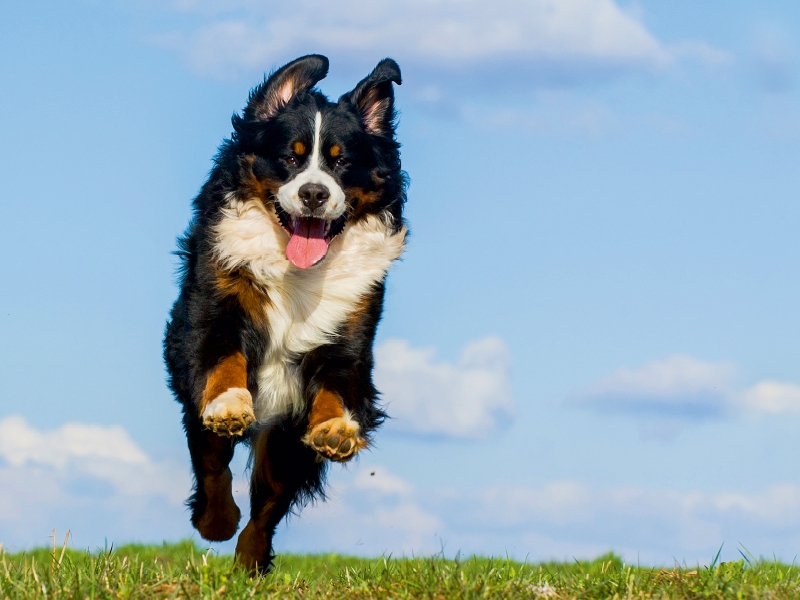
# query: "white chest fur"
306,306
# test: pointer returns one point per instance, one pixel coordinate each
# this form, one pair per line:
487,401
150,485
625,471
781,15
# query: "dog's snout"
313,195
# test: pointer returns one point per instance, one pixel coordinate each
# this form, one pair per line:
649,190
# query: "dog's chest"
305,307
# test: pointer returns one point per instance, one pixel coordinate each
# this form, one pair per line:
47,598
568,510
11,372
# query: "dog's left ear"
373,97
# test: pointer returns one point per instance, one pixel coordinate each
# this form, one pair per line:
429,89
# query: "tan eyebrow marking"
299,148
335,151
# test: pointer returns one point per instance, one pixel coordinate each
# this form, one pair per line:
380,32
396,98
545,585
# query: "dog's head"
322,166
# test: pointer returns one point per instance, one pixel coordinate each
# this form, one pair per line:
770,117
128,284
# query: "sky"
590,345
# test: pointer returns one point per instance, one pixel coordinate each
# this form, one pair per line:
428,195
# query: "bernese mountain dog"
281,289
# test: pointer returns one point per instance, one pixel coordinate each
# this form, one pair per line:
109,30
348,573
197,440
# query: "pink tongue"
307,245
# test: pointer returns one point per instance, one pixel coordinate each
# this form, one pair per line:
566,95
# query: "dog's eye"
340,163
291,161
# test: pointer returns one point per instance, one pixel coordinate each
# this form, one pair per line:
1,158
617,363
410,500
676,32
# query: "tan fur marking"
299,148
306,308
240,284
356,317
327,405
253,187
335,151
361,200
231,372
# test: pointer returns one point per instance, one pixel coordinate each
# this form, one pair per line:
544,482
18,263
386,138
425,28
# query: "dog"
281,289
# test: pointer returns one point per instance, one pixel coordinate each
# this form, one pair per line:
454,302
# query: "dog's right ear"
279,88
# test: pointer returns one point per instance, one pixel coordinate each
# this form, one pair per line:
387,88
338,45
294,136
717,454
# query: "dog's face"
320,165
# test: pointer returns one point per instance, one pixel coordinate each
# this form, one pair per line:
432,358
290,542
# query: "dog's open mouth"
309,238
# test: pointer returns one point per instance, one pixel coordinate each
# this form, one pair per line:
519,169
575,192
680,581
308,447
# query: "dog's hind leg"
285,471
214,512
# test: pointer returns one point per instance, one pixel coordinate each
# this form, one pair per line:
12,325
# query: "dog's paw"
230,413
336,439
216,518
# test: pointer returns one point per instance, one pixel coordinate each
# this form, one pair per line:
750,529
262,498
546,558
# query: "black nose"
313,195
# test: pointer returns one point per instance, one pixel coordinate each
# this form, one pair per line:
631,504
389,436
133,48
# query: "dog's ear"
373,98
279,88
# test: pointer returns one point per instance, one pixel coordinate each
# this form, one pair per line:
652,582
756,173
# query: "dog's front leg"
332,431
226,406
223,412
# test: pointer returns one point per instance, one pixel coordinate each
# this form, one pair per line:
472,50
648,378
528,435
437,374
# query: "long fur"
306,308
302,331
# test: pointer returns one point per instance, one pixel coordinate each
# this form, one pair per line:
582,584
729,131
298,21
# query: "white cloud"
684,387
379,480
91,479
388,520
105,453
701,52
562,519
97,482
678,385
424,396
653,524
551,112
20,444
773,397
543,37
373,511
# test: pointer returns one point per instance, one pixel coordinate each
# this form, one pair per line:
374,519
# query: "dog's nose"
313,195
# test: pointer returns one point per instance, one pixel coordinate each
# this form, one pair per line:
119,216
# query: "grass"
184,571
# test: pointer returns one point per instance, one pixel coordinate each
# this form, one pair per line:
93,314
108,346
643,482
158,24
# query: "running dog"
281,290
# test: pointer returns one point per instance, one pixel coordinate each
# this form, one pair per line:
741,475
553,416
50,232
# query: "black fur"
206,324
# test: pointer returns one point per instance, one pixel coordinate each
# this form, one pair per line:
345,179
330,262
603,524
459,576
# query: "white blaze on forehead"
288,193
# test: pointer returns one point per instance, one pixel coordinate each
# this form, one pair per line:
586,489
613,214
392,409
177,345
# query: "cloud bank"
424,396
559,520
91,479
99,483
539,40
21,444
372,511
684,387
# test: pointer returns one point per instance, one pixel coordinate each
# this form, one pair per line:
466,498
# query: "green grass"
183,571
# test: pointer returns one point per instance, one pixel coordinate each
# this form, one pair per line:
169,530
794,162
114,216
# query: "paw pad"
336,439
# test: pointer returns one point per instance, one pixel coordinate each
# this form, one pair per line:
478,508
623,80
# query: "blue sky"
592,340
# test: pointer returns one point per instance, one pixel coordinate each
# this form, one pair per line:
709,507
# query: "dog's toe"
337,439
230,413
